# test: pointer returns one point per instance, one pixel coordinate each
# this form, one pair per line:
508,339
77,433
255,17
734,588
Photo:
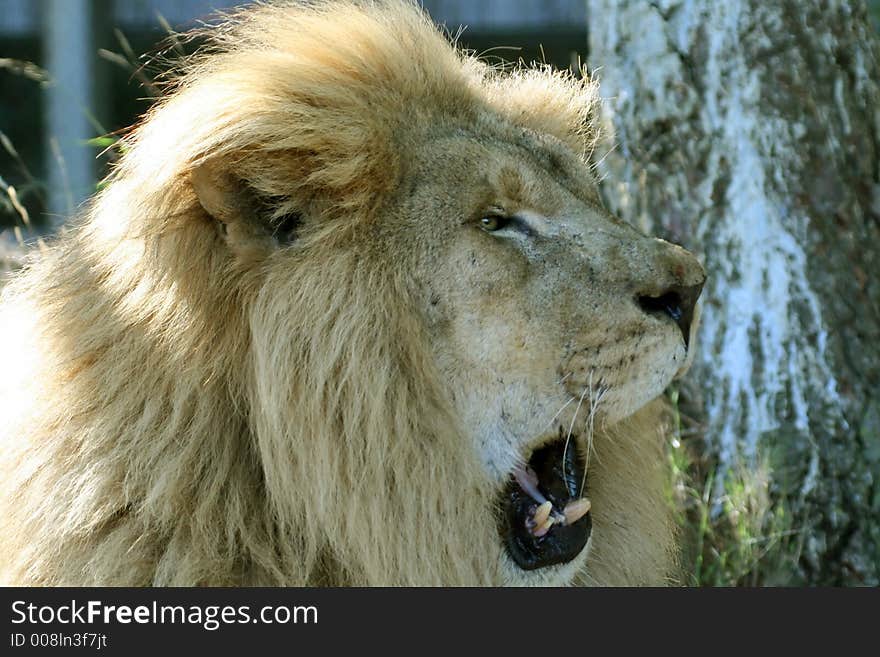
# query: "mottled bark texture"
749,132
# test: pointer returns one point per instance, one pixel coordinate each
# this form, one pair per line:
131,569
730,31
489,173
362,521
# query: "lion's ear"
252,223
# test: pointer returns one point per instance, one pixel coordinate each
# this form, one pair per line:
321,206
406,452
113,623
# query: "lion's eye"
492,222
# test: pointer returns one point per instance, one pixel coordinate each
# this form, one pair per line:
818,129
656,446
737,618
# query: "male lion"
350,311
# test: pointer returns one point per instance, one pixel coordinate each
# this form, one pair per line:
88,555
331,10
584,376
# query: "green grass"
734,530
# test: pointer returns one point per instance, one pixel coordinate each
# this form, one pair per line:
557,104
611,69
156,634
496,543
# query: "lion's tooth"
544,528
542,513
576,510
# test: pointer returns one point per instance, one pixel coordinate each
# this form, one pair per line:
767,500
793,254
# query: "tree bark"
749,132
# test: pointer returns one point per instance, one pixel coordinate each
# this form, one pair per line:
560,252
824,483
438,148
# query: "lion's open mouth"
545,519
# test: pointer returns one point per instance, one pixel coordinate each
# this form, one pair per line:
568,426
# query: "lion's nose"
677,302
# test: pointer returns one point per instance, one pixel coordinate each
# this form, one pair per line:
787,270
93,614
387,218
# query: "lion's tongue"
528,481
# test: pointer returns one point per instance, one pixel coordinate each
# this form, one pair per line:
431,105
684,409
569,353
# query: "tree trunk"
749,132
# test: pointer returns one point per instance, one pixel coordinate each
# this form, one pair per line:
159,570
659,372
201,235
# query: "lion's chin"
545,520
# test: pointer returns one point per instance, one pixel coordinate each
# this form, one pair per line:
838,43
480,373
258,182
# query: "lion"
349,311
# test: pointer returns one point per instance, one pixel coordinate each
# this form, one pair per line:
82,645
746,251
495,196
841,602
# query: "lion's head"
370,286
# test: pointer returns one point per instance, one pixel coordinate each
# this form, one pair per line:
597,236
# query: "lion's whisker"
591,418
571,426
559,412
